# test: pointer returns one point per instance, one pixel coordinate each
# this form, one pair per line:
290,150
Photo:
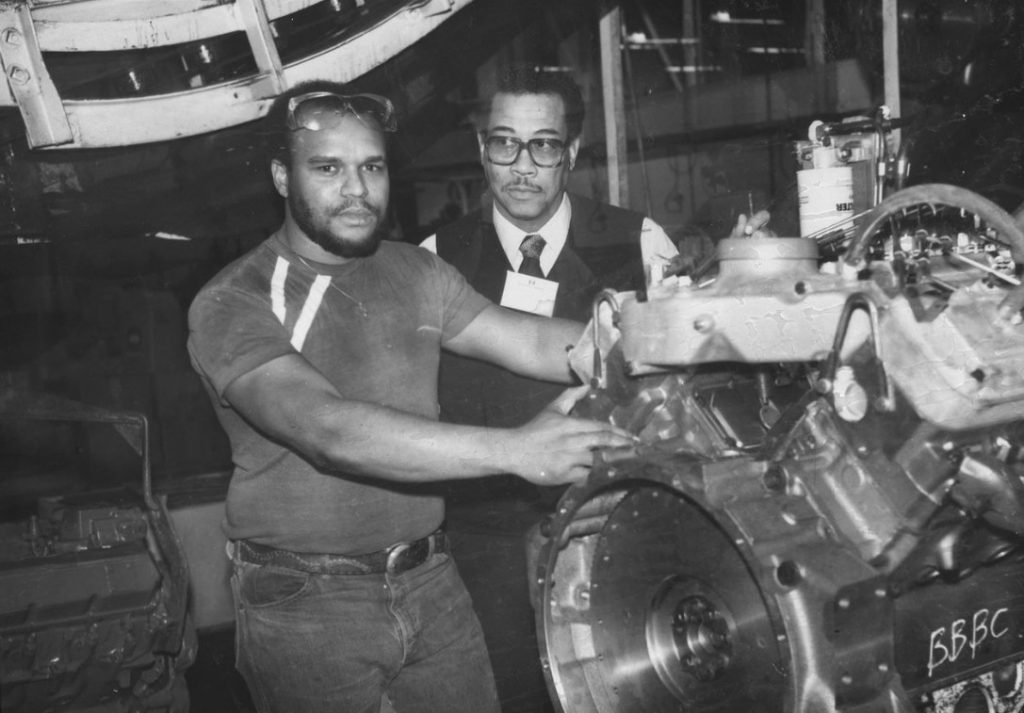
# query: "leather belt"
398,558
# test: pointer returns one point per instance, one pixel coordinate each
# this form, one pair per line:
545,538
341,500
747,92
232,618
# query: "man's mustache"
523,184
356,206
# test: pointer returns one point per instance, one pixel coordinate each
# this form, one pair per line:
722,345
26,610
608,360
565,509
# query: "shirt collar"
555,232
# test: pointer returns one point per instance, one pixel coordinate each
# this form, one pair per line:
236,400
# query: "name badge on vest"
529,294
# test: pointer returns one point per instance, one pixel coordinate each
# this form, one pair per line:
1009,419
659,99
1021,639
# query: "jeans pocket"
266,586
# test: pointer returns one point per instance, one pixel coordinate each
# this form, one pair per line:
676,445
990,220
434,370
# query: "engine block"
93,593
826,510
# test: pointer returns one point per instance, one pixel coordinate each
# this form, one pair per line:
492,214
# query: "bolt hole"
774,479
788,574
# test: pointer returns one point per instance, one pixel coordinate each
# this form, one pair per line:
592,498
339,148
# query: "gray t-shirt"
374,327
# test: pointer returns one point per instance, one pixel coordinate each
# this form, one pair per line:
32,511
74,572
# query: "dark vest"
601,250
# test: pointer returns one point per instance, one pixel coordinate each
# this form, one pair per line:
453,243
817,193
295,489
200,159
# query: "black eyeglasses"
505,150
320,110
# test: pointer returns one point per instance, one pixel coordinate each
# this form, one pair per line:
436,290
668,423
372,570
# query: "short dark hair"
277,137
528,79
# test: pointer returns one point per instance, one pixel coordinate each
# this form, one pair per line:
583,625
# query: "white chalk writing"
948,643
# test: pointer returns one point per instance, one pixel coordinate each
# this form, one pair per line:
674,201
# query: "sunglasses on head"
316,111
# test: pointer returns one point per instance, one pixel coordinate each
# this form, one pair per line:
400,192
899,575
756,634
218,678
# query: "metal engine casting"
93,585
826,511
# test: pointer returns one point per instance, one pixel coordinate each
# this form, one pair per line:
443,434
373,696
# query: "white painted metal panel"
117,122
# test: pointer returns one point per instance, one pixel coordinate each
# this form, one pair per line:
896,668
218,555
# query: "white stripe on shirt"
309,310
277,289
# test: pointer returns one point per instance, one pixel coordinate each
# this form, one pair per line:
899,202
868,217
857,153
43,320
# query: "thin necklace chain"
358,303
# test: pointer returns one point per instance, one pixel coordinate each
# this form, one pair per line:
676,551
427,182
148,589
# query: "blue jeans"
309,643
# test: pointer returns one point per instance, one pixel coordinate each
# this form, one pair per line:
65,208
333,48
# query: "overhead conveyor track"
228,60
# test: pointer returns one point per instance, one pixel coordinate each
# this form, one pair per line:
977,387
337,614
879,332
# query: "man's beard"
320,232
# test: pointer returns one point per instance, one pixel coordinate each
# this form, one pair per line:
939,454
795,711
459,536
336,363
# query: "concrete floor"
487,535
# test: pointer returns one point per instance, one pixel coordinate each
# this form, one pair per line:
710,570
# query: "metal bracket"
254,18
38,100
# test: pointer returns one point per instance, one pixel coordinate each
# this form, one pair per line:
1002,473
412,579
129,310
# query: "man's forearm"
543,351
361,438
293,404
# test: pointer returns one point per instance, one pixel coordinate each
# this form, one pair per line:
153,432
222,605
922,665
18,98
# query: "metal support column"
891,62
610,31
815,33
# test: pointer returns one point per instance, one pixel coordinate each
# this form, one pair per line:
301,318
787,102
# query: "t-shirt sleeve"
231,332
460,303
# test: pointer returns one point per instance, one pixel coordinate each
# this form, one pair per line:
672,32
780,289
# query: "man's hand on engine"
557,449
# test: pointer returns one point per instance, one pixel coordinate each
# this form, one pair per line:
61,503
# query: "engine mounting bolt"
12,37
883,667
844,603
880,592
847,679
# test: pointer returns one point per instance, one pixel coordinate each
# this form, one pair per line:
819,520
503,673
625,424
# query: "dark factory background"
102,250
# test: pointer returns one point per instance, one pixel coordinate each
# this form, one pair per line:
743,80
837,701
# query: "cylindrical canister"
826,197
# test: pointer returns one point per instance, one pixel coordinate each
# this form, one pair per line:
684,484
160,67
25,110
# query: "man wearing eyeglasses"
319,349
528,147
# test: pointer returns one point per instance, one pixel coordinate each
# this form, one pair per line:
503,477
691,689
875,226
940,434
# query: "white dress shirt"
656,247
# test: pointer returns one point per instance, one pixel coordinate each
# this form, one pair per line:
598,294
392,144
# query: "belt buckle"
395,553
404,556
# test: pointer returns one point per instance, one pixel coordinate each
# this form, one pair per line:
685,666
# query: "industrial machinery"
92,73
826,508
93,584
